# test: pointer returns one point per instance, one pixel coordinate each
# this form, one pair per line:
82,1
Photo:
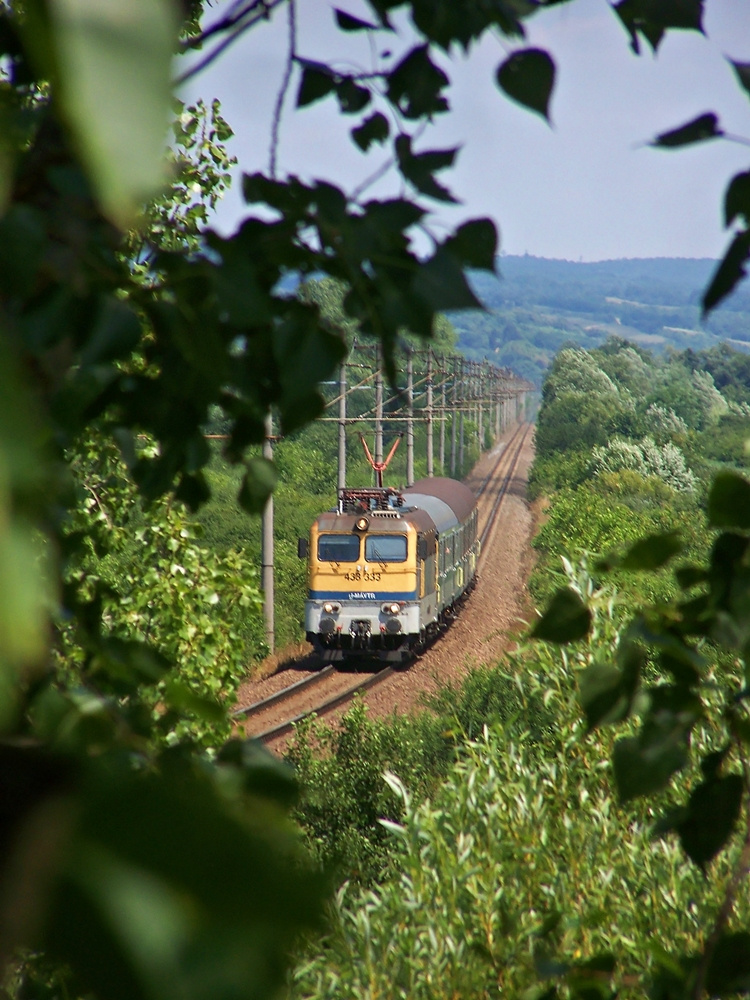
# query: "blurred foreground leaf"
566,619
111,65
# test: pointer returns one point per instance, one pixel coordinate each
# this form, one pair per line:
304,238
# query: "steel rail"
326,706
282,694
501,493
507,447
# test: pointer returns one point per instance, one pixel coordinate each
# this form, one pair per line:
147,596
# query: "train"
387,569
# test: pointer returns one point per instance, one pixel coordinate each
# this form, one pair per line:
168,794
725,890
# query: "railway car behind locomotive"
386,568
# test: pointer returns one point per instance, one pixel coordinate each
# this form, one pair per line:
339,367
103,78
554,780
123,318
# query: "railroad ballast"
386,568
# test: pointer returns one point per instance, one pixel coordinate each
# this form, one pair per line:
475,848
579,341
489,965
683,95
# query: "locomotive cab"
373,575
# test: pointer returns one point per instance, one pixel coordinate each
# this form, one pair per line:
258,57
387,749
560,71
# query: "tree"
93,340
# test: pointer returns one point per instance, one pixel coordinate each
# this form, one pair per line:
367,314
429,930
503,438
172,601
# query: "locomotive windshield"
385,548
338,548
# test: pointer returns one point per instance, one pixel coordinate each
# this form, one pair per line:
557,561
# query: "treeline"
534,306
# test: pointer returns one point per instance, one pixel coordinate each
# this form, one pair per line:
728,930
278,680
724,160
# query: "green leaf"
446,22
675,654
645,763
602,696
26,592
729,501
240,286
652,18
690,576
592,980
351,96
193,489
22,242
258,484
415,85
115,334
441,282
261,772
143,908
737,199
179,696
8,150
742,71
475,243
418,168
729,969
373,129
130,661
349,23
640,771
306,353
528,77
700,129
318,80
110,66
730,272
566,619
652,552
712,811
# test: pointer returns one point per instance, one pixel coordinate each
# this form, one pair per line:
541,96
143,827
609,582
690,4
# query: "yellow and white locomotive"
386,568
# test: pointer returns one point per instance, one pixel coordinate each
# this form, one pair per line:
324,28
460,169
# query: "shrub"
647,458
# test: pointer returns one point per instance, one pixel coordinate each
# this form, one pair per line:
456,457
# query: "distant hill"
536,305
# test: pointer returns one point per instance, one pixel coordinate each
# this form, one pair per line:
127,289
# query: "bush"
647,458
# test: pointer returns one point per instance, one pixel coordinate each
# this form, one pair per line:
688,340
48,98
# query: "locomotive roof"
436,502
420,519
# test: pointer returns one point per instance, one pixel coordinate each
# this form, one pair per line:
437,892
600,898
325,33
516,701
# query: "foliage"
668,675
329,295
341,769
535,306
104,872
518,870
145,574
672,677
199,171
645,457
123,857
665,423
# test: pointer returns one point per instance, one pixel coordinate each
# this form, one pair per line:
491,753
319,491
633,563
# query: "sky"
588,187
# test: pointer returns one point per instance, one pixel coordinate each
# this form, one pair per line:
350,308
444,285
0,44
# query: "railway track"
322,690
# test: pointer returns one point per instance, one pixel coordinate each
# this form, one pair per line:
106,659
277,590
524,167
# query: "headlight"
330,609
391,609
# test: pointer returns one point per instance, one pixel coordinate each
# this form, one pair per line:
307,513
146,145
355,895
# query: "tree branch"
725,912
236,25
237,12
291,57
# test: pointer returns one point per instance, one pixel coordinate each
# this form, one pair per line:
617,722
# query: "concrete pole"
266,558
378,407
461,446
454,422
443,415
430,442
410,419
341,479
480,414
